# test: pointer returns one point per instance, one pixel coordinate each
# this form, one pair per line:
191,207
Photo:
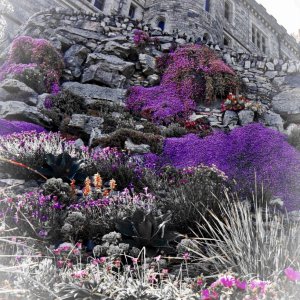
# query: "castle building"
238,24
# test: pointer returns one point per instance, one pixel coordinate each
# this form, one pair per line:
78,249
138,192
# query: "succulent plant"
63,166
144,229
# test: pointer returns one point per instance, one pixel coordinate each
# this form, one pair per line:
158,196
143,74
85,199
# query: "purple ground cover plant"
35,62
9,127
245,153
192,74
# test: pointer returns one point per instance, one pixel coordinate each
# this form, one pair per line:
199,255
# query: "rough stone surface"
273,120
287,104
74,57
148,64
134,148
230,118
14,90
85,123
93,93
245,117
21,111
108,70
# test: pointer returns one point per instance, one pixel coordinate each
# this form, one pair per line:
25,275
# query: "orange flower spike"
106,193
87,187
112,184
97,181
73,187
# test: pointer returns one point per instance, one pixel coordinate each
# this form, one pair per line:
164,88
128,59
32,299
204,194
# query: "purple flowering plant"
246,154
35,62
9,126
192,74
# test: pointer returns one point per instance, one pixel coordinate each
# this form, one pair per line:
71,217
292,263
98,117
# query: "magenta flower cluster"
183,83
9,127
32,60
141,38
245,153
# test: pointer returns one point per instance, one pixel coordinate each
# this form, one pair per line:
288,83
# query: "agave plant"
144,229
63,166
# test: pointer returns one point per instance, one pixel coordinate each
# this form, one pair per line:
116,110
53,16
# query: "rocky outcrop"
93,93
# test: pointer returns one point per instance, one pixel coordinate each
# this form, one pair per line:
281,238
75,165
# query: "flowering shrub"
193,74
239,102
200,126
233,102
9,127
35,62
241,154
31,148
141,38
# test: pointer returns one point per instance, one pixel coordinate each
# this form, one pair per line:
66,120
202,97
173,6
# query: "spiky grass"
252,240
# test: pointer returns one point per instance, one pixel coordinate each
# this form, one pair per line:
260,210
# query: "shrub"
35,62
252,242
118,138
8,127
62,105
244,153
31,149
189,191
192,74
160,104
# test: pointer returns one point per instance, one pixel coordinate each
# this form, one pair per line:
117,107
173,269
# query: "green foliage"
63,166
187,192
118,138
146,230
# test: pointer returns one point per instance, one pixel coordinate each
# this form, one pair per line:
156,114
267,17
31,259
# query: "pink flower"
292,274
152,278
209,295
157,258
242,285
102,260
60,263
80,274
199,281
227,281
117,263
79,245
186,256
57,251
134,260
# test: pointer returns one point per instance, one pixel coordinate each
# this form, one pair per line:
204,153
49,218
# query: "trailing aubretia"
8,127
193,74
242,153
35,62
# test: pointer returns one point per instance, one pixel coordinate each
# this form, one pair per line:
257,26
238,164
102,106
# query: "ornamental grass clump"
251,240
193,74
242,154
35,62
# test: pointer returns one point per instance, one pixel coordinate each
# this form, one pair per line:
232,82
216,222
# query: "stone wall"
102,60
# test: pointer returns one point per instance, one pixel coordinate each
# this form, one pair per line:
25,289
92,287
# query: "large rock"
148,64
94,93
287,104
124,51
78,35
15,110
230,118
85,123
246,117
74,58
134,148
271,119
14,90
109,70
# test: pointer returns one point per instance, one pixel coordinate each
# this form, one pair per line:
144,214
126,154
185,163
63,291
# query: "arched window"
206,38
207,5
161,23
